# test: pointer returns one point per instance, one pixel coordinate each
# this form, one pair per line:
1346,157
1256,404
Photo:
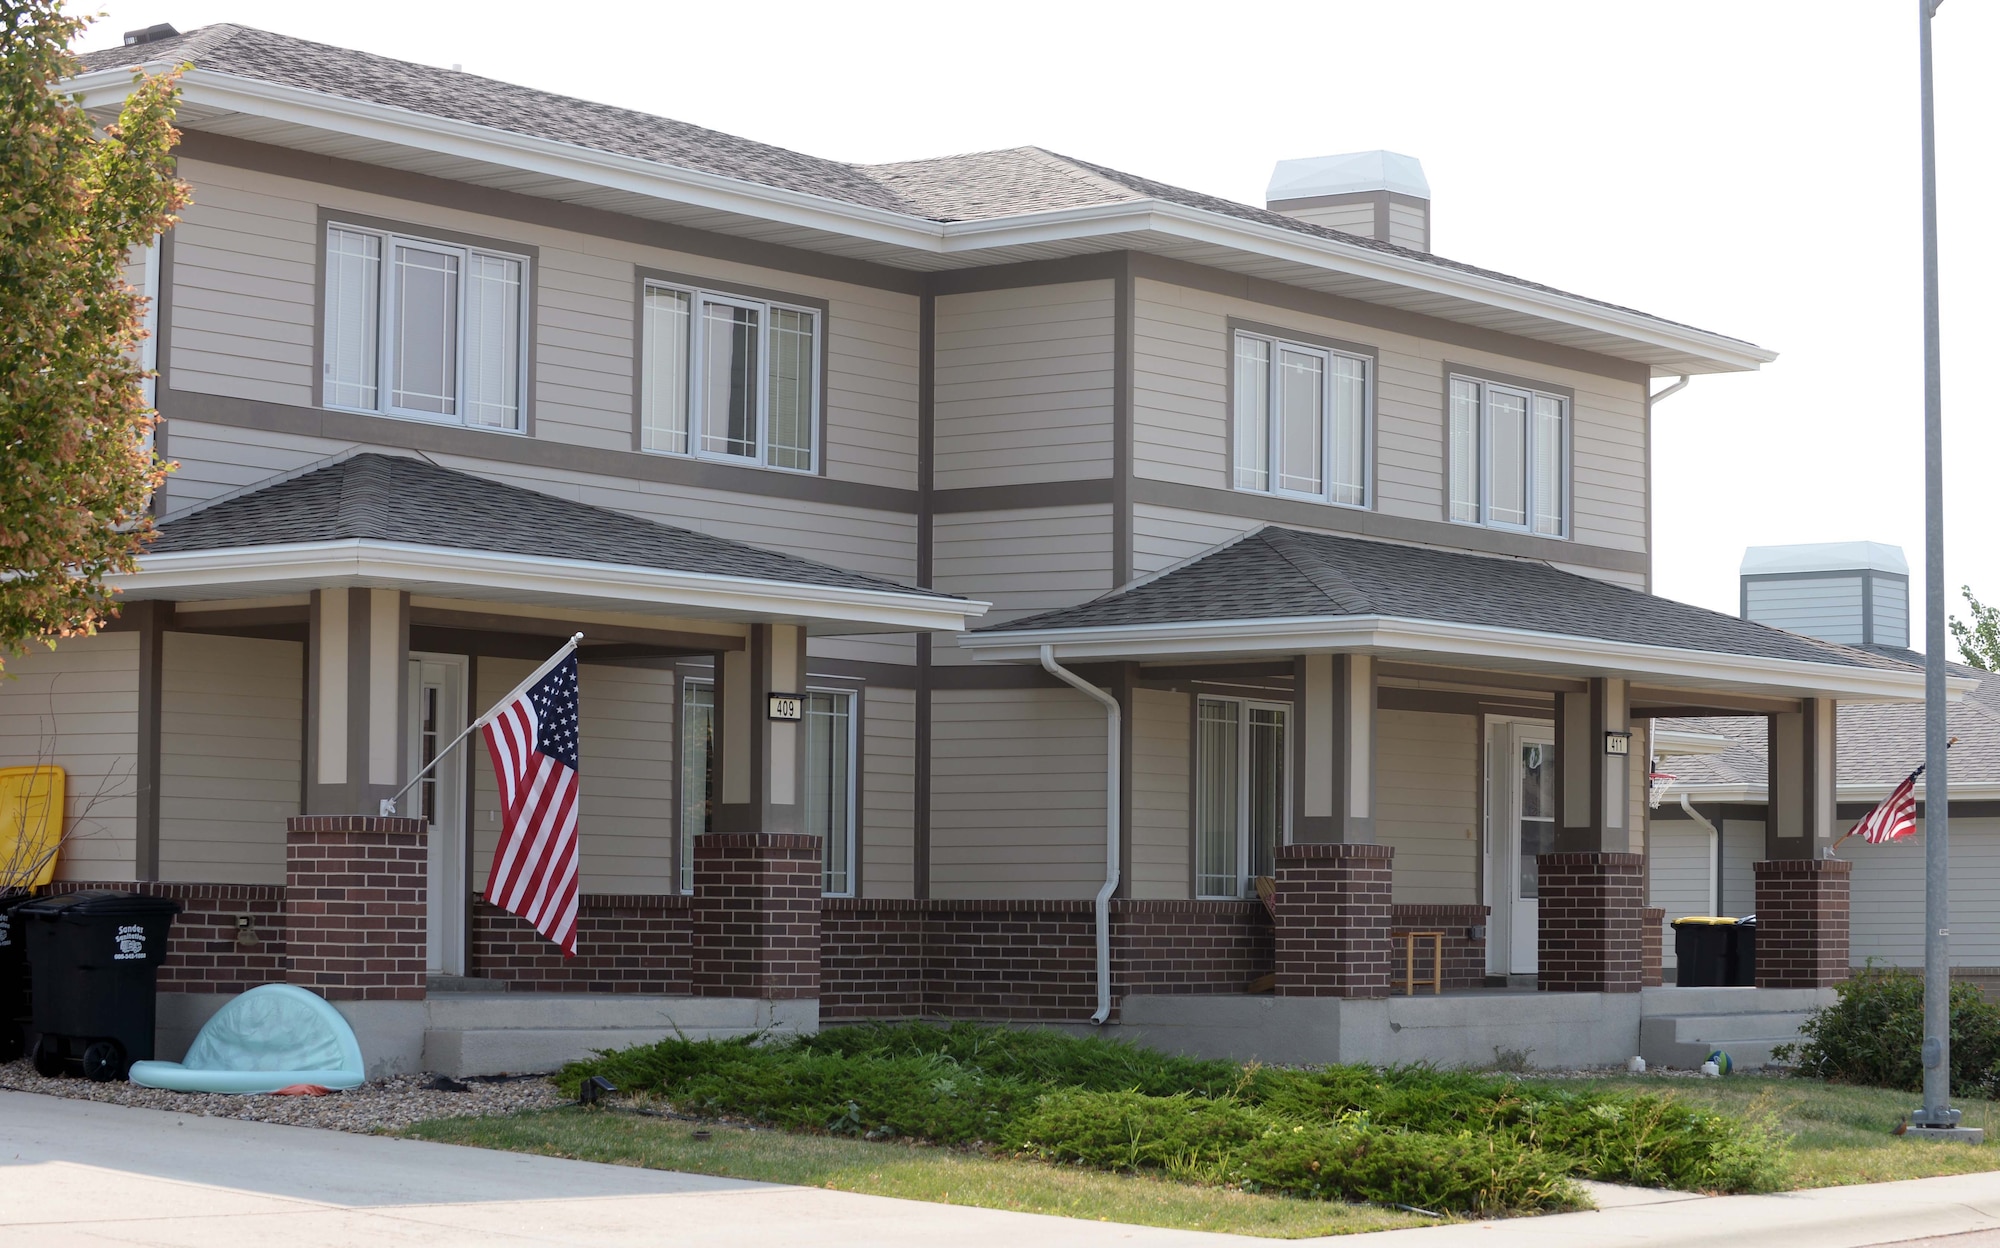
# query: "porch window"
829,795
697,786
1242,792
729,378
426,329
1301,421
1509,457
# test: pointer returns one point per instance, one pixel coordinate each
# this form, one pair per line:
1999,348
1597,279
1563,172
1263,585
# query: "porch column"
1333,920
357,673
1593,779
761,758
1798,817
1335,756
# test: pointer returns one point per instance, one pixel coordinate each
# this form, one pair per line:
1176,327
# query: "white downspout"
1714,855
1112,732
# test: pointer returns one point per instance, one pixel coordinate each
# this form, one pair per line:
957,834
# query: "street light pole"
1937,1112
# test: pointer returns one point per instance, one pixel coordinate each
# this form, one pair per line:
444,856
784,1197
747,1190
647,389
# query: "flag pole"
389,803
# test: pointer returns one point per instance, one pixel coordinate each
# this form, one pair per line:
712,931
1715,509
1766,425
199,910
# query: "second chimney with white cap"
1381,195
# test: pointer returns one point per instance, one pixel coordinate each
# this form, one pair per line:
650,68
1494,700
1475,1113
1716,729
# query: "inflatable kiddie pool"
269,1038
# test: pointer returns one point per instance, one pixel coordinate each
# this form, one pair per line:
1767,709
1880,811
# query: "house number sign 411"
787,706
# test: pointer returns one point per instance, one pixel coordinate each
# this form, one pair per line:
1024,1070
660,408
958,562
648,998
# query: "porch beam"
1802,805
1477,678
1654,701
1334,697
685,640
1593,785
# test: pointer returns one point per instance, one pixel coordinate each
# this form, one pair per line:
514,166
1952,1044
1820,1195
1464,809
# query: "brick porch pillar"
757,908
1333,920
1652,936
1802,922
1590,922
355,906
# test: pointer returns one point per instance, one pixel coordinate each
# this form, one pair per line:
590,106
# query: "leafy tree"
1979,641
75,431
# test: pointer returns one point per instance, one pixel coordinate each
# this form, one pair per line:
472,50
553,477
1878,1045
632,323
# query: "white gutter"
1714,854
1111,820
1394,635
620,585
654,179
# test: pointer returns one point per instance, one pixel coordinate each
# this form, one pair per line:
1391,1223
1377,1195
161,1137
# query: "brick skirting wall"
355,906
1589,915
625,943
756,916
1802,916
1652,934
205,952
1464,955
1333,920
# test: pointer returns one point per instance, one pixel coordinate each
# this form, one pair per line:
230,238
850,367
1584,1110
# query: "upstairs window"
729,378
426,329
1509,457
1301,421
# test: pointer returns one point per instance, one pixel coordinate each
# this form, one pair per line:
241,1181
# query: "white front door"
437,716
1531,830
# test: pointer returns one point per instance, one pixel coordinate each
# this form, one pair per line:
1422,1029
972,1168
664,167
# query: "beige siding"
1427,807
244,320
1022,561
1165,536
888,789
1017,794
1679,864
1409,226
1887,902
1354,218
625,824
1160,800
218,459
232,723
1742,848
1182,422
1024,381
77,707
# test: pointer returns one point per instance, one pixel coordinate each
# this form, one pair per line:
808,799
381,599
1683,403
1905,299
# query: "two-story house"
1127,548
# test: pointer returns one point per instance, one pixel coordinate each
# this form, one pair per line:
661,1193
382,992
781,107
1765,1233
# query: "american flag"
1895,817
532,737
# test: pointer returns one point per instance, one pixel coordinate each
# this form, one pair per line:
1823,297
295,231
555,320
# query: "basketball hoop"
1659,783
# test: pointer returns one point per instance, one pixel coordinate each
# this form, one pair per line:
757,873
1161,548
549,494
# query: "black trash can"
1743,953
13,978
92,959
1701,951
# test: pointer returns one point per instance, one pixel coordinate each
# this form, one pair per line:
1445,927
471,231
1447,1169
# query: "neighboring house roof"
1878,744
1276,574
974,187
399,499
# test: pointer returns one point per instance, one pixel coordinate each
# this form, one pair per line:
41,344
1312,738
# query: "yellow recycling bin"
31,811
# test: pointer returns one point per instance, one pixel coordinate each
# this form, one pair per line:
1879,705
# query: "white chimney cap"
1825,557
1344,175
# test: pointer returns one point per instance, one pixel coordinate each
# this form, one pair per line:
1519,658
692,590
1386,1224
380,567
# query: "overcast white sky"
1747,166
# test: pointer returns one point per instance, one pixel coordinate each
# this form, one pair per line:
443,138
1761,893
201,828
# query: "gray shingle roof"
1277,573
970,187
392,498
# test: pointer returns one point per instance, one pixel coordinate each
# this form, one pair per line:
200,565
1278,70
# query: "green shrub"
1034,1055
1874,1035
1222,1140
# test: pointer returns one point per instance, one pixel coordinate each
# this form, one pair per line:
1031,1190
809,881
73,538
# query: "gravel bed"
384,1105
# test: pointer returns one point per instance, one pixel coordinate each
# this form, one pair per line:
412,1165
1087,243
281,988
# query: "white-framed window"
697,779
426,329
1242,792
1509,457
726,377
1301,420
829,797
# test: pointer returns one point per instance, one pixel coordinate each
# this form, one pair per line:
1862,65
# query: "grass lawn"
1839,1134
947,1176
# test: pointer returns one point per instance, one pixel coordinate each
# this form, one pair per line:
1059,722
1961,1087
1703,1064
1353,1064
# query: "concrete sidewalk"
79,1173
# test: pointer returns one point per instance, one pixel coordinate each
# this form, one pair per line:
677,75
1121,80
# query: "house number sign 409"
787,706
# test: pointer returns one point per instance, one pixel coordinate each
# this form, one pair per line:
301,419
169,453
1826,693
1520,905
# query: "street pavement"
80,1173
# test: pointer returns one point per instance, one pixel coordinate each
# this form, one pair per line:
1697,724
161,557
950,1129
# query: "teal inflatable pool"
269,1038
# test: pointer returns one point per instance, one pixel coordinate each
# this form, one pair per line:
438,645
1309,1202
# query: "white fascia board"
1680,743
1386,634
1757,793
409,128
387,563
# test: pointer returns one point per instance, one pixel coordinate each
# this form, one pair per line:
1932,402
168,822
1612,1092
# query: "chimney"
1380,195
1856,593
152,34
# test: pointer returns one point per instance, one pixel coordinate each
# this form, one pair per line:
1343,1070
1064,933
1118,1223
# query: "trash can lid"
1706,920
99,902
